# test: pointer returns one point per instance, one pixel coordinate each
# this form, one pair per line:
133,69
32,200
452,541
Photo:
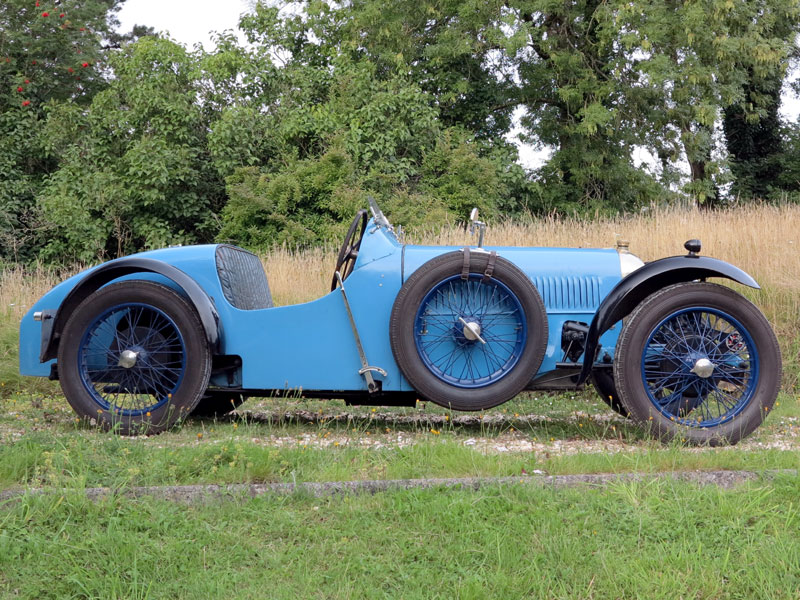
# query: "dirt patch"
189,494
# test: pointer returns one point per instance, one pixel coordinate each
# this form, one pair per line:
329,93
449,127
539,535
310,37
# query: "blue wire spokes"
441,338
132,359
679,388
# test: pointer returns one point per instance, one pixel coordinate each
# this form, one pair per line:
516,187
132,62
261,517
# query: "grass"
630,540
43,444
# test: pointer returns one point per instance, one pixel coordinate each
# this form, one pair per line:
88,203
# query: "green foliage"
333,137
135,170
48,53
789,164
288,207
107,148
702,57
600,77
754,141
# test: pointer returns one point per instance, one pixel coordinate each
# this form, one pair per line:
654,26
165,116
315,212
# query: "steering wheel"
349,251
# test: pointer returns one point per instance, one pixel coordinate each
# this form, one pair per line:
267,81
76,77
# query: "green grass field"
660,539
631,540
44,445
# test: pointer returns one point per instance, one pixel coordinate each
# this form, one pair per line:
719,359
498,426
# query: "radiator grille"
569,293
242,277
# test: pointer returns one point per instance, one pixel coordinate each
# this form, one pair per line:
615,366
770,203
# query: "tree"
752,126
363,136
135,171
325,123
49,52
694,60
753,138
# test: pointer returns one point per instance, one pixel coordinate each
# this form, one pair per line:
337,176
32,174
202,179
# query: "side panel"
311,346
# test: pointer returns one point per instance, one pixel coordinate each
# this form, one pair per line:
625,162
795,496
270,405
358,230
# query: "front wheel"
134,357
699,363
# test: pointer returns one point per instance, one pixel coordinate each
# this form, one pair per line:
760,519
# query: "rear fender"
108,272
654,276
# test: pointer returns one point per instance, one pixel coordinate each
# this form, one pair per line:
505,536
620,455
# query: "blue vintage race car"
140,342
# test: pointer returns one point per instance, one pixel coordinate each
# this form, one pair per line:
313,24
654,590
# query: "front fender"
110,271
629,292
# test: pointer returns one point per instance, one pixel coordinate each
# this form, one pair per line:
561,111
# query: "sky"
187,21
192,21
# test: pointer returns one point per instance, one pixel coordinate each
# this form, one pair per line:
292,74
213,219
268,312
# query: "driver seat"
242,278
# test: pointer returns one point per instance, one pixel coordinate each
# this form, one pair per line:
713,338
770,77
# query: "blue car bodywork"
355,342
310,346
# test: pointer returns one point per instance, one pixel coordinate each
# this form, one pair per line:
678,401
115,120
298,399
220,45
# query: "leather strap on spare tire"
490,264
468,330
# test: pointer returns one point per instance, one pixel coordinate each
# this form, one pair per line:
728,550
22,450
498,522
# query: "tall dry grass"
762,240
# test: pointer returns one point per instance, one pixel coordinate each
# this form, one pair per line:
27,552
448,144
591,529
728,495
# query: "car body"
363,341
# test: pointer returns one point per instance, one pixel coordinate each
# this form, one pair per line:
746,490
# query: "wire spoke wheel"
466,340
700,367
132,359
468,333
699,363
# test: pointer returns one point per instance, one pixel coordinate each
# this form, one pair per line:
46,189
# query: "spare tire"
468,336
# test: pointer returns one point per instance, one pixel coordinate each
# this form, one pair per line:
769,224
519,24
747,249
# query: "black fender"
650,278
125,266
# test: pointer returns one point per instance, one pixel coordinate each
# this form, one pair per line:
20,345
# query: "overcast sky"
187,21
191,21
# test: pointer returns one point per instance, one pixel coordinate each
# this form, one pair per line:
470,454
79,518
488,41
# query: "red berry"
27,81
45,14
70,70
61,16
82,29
33,62
84,65
26,103
20,89
37,5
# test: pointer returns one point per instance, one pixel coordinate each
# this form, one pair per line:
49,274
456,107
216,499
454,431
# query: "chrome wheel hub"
703,368
472,331
128,359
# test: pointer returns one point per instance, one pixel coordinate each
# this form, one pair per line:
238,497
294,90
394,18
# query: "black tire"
662,382
603,382
167,369
514,365
217,403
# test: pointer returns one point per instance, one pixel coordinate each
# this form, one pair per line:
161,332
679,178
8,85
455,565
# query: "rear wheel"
134,357
698,362
464,340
